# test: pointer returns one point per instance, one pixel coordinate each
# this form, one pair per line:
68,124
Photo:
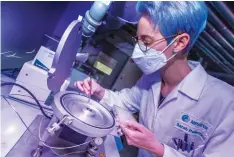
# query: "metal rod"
220,26
217,46
52,38
224,11
219,37
207,52
90,86
214,52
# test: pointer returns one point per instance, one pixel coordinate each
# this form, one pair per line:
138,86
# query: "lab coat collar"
156,88
193,84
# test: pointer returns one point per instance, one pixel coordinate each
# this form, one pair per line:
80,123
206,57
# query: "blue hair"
176,16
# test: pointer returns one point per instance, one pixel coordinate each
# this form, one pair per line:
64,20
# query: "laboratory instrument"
92,121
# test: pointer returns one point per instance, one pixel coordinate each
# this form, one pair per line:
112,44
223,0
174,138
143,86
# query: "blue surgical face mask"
152,60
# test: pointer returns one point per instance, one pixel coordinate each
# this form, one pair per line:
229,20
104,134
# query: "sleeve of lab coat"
221,142
128,98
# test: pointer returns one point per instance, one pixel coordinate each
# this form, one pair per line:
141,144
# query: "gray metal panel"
65,56
128,77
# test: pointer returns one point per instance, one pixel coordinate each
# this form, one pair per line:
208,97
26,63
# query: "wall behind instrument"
23,25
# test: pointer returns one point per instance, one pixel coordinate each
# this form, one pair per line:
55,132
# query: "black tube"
224,11
207,52
217,46
39,105
217,53
210,28
221,27
197,47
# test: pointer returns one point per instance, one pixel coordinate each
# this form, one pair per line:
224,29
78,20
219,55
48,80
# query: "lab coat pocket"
192,147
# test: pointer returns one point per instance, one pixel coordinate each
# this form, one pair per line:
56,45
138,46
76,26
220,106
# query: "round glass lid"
87,110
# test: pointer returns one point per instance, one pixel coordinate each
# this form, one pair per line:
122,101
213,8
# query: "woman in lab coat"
183,110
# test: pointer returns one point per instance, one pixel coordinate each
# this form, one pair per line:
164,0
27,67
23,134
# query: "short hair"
176,16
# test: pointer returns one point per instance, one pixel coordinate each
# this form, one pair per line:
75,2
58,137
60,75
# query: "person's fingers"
92,91
92,86
86,90
126,131
122,125
79,85
75,84
87,84
134,125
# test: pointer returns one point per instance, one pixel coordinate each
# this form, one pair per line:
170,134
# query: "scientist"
183,111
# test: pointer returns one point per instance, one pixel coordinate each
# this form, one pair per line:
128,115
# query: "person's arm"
128,98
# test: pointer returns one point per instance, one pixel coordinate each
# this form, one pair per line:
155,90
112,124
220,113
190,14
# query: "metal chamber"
87,111
88,116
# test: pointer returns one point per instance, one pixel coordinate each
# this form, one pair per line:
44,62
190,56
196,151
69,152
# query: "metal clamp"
67,120
119,130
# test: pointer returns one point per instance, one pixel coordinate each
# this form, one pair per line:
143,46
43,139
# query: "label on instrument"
105,63
44,58
107,70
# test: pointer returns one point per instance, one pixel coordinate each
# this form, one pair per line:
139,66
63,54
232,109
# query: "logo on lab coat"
185,118
193,125
194,121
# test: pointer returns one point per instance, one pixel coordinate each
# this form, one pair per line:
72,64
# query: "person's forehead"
145,28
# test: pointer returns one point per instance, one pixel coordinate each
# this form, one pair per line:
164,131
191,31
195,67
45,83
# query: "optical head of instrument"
74,38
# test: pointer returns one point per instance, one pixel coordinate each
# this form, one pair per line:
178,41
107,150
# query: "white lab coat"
207,101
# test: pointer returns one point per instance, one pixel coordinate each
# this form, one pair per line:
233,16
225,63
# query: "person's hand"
90,87
139,136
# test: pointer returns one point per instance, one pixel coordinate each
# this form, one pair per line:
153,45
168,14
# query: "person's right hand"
90,87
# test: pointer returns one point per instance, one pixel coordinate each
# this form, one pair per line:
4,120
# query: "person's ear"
181,43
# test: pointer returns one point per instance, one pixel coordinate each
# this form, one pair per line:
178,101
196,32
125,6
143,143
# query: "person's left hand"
139,136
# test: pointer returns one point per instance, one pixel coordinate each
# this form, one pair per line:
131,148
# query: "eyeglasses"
143,45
